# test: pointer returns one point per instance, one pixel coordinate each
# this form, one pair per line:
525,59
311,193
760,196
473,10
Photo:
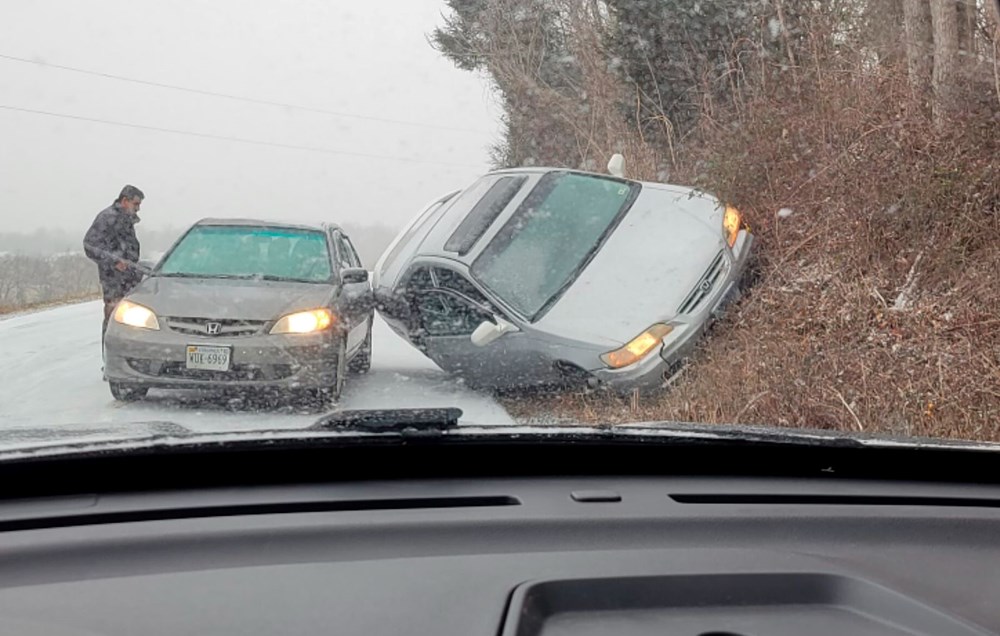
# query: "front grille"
705,284
238,372
228,328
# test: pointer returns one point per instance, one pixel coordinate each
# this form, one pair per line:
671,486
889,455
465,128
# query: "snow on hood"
644,271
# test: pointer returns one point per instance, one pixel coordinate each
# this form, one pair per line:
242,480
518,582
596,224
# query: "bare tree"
886,21
919,49
968,14
944,17
993,11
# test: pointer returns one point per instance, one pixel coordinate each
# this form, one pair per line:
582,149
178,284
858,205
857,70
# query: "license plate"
208,358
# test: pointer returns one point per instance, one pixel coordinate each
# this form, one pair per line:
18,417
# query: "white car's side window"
446,304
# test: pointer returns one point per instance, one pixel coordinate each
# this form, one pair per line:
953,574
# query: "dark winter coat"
110,239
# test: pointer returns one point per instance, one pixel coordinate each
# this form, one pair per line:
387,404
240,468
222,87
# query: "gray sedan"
249,305
547,276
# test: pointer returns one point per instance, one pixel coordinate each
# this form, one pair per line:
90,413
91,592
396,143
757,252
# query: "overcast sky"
366,58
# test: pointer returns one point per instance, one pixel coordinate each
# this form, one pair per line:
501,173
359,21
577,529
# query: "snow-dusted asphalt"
50,378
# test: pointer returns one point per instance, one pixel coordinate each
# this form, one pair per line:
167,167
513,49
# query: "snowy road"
50,376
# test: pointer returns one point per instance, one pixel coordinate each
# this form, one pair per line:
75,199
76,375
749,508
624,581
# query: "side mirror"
489,331
146,265
354,275
616,166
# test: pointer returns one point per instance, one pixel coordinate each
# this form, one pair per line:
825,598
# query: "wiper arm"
418,422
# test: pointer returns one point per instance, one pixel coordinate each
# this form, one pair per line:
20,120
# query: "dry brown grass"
878,307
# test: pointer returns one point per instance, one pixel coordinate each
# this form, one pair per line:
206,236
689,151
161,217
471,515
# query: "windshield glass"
235,215
550,237
232,251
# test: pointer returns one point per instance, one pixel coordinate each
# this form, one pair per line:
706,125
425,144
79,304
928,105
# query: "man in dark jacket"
112,244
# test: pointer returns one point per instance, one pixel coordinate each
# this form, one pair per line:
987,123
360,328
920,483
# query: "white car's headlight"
731,224
304,322
133,315
638,348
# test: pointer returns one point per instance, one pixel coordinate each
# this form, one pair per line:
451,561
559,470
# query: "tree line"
579,79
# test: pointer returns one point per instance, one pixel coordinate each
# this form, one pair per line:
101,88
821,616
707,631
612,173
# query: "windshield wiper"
419,421
268,277
187,275
284,279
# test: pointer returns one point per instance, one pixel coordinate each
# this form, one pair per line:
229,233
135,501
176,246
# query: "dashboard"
623,554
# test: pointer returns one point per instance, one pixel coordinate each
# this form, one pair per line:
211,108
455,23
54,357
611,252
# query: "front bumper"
654,371
157,358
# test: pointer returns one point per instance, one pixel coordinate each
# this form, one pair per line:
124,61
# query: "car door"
446,308
356,301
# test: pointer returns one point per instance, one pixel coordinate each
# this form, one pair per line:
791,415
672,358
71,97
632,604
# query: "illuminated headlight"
640,346
731,224
133,315
304,322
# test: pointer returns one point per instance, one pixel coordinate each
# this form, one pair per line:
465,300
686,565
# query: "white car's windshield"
549,238
237,251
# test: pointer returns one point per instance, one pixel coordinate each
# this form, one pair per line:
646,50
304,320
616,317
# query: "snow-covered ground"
50,378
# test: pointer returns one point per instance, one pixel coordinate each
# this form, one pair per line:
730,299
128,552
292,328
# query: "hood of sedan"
646,268
229,299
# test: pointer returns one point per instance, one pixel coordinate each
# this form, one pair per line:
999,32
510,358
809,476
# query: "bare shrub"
29,281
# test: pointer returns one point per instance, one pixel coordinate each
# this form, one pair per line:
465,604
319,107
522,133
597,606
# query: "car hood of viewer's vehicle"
644,271
229,299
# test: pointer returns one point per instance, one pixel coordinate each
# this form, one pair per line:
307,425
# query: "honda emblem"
213,328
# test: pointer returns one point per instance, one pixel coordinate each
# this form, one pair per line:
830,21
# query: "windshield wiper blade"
417,421
282,279
268,277
189,275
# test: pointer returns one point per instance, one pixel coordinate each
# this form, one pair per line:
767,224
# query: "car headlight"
731,224
304,322
133,315
638,348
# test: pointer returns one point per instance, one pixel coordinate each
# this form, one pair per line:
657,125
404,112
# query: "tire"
127,392
322,397
334,392
362,361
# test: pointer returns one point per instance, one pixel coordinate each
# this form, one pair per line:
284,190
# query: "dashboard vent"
835,500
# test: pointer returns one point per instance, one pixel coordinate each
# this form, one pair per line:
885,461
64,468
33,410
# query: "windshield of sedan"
236,215
250,252
550,237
